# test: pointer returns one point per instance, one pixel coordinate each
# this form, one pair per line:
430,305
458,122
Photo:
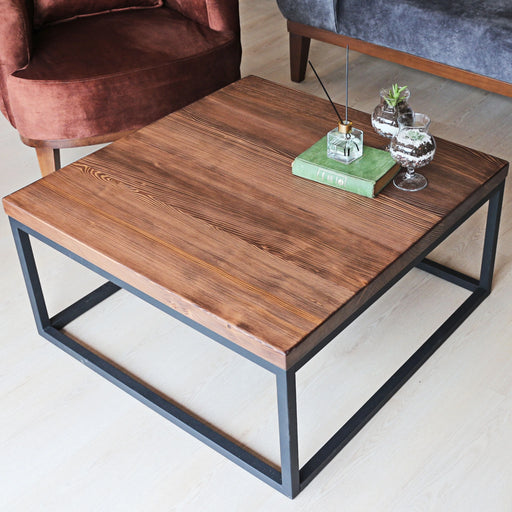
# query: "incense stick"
326,93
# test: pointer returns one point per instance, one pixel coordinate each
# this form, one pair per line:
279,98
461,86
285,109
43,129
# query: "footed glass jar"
345,143
412,147
385,117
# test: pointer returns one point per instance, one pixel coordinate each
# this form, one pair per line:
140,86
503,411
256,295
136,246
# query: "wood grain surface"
201,211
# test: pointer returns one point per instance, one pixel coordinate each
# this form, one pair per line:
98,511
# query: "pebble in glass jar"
393,104
412,147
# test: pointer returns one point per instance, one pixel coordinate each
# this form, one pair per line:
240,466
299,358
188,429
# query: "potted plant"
393,103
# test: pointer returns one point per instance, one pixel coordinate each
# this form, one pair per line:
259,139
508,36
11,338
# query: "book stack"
366,176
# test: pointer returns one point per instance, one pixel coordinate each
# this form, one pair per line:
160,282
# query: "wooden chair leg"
299,51
49,160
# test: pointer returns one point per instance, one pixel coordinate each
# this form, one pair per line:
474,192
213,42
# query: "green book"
366,176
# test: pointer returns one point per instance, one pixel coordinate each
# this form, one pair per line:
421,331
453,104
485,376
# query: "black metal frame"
291,479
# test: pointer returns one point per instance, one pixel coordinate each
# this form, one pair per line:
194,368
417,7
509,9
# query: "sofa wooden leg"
299,51
49,160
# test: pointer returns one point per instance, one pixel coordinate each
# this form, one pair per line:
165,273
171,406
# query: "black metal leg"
491,238
35,292
31,277
288,439
484,282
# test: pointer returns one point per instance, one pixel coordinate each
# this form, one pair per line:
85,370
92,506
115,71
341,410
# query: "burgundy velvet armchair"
88,71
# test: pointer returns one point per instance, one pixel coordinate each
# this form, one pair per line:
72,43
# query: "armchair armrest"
15,35
220,15
15,43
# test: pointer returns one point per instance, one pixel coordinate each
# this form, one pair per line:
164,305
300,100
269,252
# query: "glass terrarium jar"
385,116
345,143
412,147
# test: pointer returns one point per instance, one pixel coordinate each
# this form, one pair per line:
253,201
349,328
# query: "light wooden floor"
70,441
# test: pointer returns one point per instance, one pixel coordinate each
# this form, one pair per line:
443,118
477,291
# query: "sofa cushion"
467,34
112,72
317,13
51,11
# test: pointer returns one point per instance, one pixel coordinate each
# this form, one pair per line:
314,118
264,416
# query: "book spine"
332,178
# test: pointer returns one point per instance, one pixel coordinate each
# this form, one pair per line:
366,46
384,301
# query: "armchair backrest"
221,15
51,11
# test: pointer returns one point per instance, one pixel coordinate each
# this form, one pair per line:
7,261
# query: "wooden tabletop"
201,211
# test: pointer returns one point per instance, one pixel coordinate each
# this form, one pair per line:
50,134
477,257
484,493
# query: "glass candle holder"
412,147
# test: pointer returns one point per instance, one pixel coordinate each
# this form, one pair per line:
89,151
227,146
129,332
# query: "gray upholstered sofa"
465,40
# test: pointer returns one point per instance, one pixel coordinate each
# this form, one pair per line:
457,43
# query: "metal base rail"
290,479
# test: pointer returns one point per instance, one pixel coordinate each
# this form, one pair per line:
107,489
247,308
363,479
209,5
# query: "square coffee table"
199,214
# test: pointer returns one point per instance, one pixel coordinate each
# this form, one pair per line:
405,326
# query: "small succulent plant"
395,95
